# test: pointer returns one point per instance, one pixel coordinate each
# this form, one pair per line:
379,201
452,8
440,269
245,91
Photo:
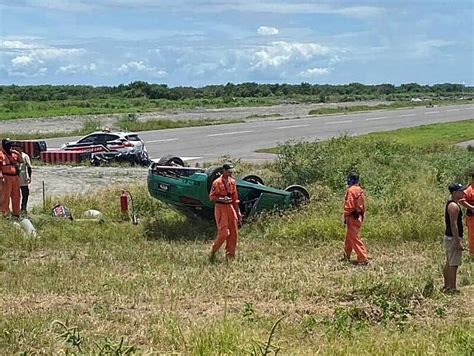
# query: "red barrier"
90,149
62,156
32,148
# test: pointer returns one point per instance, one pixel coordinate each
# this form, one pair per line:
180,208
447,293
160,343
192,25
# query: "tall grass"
149,288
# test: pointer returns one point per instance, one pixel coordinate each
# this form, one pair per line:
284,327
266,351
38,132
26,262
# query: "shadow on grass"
179,228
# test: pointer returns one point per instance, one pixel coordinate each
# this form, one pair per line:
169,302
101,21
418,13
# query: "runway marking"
290,127
338,122
229,133
406,115
163,140
431,112
376,118
451,110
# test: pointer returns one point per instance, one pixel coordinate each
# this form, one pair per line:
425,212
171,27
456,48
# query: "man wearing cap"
353,217
227,213
453,237
468,202
10,166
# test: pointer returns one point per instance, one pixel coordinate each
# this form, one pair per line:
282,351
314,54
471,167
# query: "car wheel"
299,195
252,178
170,160
212,174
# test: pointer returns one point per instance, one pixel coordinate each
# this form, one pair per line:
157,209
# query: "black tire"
170,160
299,195
212,174
252,178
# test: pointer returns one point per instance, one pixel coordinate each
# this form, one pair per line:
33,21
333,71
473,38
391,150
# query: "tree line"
141,89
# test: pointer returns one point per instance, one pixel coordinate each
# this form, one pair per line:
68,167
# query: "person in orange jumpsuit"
353,217
227,213
468,202
10,165
1,175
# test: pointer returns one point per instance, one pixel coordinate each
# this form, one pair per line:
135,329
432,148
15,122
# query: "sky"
197,43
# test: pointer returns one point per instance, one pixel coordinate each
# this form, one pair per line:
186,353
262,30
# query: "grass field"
10,110
444,134
113,287
127,123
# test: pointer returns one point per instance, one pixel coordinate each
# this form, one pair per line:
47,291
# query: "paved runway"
208,143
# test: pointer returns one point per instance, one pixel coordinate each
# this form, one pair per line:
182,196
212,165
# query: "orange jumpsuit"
354,209
11,183
1,178
469,198
225,215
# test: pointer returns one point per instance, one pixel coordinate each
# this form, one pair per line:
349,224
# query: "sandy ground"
61,180
71,123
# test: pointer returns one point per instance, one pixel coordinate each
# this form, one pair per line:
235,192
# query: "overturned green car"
187,189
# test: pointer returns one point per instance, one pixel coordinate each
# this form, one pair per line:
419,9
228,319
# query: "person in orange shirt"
468,202
10,165
353,217
227,213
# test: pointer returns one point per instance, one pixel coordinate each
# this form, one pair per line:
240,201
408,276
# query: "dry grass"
165,296
117,288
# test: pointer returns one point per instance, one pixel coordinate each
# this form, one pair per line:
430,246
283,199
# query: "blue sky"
185,42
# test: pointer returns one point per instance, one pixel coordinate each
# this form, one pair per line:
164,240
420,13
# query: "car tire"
170,160
299,195
252,178
212,174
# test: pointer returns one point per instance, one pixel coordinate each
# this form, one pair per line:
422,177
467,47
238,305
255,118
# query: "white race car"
124,142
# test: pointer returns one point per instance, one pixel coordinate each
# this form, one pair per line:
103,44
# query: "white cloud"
141,67
22,61
281,52
29,52
266,31
315,72
76,69
15,45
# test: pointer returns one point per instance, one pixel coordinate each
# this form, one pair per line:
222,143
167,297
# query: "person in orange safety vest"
227,213
10,165
353,217
468,202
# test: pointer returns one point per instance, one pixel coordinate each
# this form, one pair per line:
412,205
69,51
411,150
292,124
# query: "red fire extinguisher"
124,206
124,203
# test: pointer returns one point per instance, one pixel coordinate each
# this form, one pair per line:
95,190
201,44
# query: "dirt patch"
61,180
469,145
72,123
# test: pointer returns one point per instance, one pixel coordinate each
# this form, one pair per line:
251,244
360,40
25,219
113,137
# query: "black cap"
456,187
228,166
353,175
7,143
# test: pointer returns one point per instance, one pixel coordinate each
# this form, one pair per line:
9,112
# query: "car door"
111,141
84,142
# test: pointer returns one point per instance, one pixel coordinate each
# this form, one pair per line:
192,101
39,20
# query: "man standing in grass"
468,202
353,217
227,212
25,177
453,237
10,164
1,173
